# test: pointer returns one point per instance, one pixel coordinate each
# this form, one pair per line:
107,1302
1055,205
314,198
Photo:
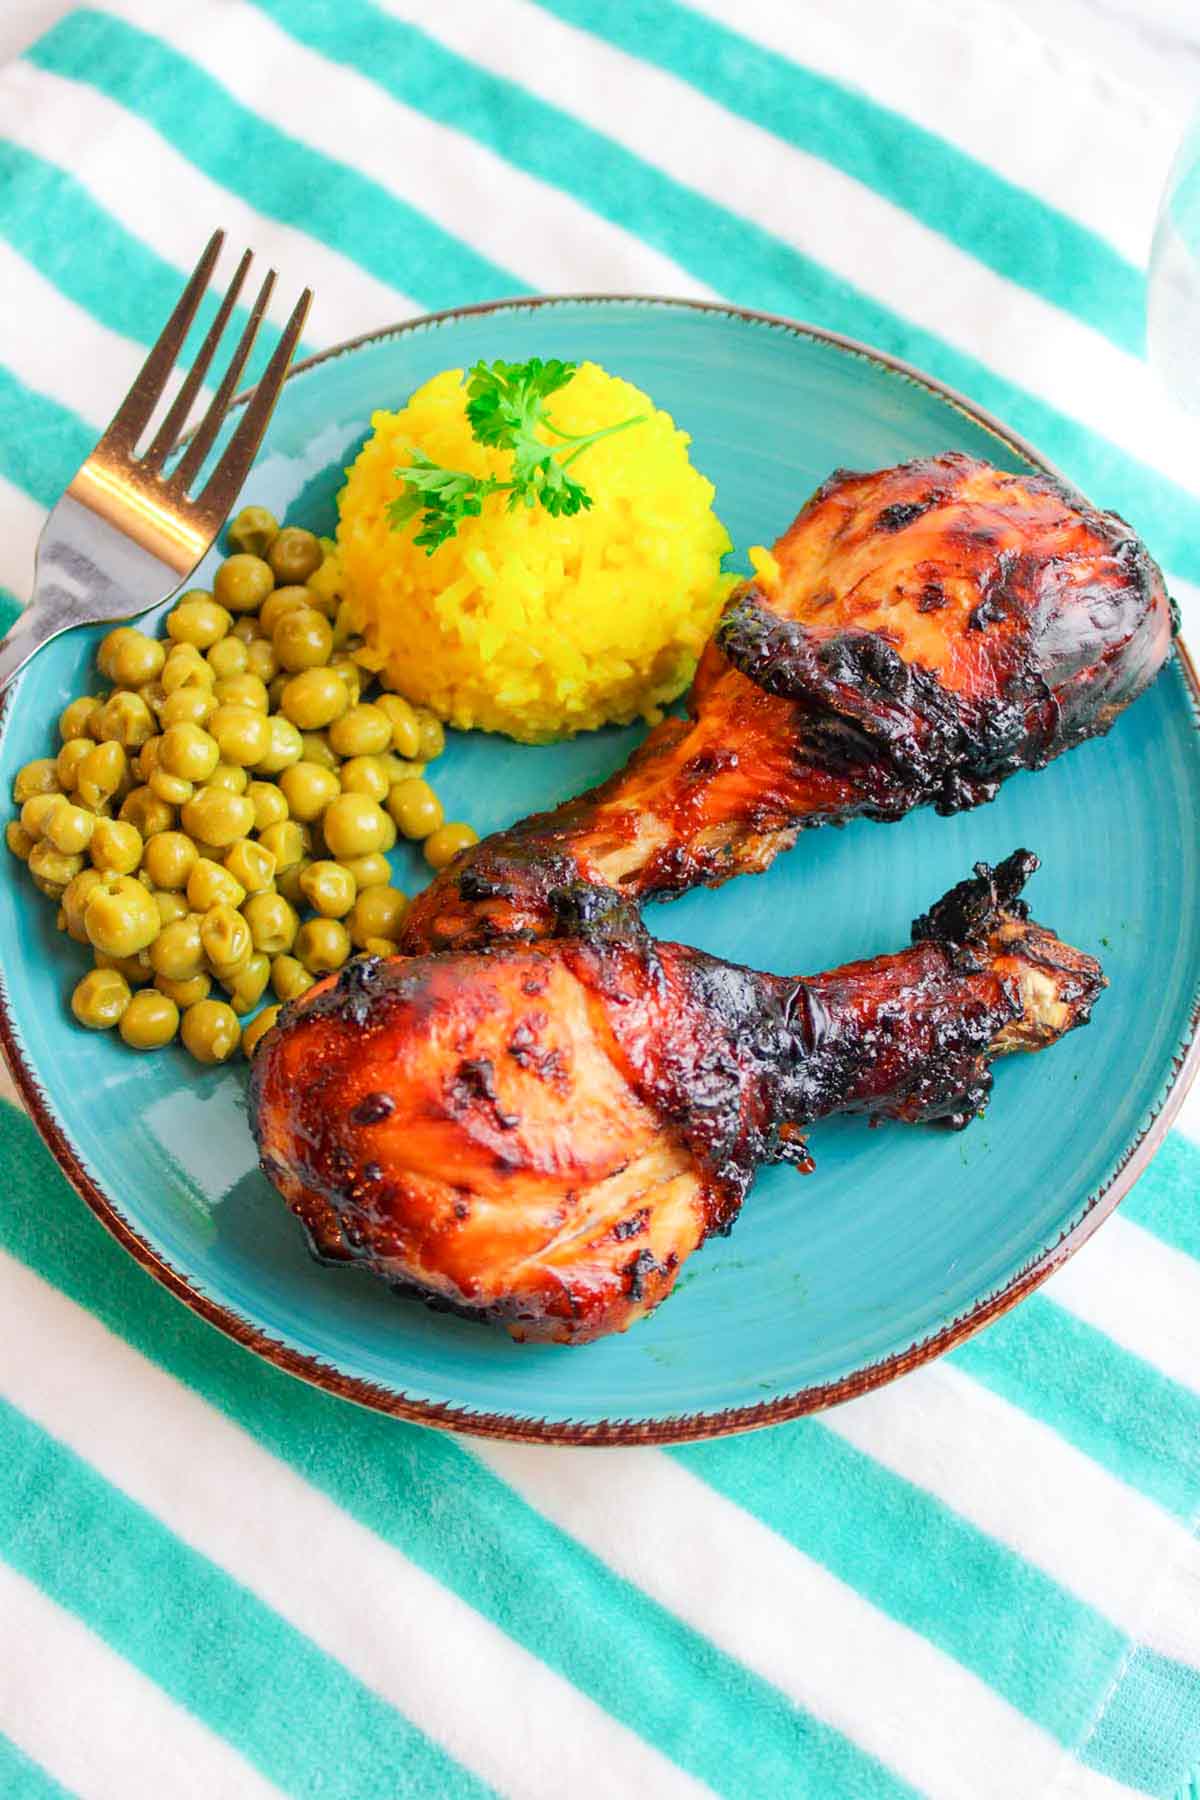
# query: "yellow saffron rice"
523,623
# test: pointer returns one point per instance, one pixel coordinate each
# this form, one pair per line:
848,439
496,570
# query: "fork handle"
36,626
55,608
86,573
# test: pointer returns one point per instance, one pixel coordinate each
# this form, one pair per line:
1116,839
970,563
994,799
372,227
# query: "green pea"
415,808
243,735
372,870
143,809
378,912
100,774
198,621
273,923
432,737
251,865
363,731
253,531
227,657
67,762
302,640
315,698
116,847
187,706
149,1021
76,720
210,883
99,1000
354,826
55,868
169,859
257,1029
308,790
225,936
243,582
294,554
211,1031
328,888
270,806
247,987
322,945
185,993
288,842
120,917
128,657
70,828
216,816
284,600
406,733
19,841
243,690
289,978
365,775
448,841
285,746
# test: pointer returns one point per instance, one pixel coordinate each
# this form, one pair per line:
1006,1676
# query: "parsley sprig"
506,410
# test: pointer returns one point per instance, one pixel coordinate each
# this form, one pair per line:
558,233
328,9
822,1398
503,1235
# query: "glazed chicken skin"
540,1134
926,631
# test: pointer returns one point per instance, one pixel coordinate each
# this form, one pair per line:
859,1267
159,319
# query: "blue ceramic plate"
904,1240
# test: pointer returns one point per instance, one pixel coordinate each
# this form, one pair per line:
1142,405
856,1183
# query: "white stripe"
397,1629
172,204
58,348
21,521
1017,1480
954,71
883,1686
97,1724
845,225
520,223
1140,1292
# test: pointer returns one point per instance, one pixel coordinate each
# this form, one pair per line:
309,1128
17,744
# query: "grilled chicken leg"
925,631
540,1134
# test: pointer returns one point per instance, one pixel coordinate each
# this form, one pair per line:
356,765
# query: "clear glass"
1173,295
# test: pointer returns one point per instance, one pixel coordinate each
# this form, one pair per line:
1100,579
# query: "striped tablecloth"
981,1584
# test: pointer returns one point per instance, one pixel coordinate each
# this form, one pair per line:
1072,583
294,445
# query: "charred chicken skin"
926,631
541,1133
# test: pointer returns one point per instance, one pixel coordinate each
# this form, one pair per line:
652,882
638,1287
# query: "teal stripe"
427,1494
1002,225
273,172
121,282
1108,1403
10,606
718,247
289,1709
22,1779
1149,1730
41,443
1165,1199
1046,1652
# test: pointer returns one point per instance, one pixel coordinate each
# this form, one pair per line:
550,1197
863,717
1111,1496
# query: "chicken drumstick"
925,631
540,1134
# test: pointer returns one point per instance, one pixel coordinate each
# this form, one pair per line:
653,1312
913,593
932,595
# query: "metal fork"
124,535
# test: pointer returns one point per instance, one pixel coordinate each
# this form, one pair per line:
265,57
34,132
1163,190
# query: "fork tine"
221,489
204,436
168,432
135,410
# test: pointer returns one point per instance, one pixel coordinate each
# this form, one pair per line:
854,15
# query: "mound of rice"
523,623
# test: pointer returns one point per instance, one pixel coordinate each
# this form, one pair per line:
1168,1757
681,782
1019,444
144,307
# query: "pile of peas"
223,813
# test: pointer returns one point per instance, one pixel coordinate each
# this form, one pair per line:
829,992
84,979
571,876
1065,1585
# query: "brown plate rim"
682,1428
